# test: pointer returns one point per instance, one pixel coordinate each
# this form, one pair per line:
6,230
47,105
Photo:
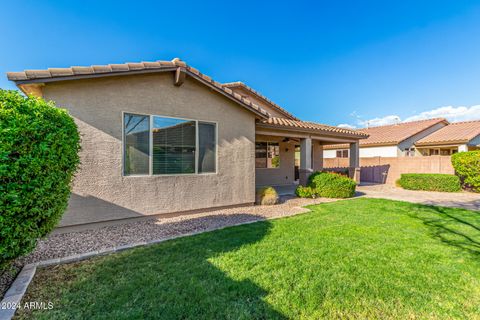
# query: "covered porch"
287,152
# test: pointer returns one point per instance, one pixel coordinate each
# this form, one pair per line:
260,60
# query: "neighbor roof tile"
392,134
457,132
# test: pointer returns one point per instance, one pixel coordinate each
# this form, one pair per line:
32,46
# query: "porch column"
317,156
305,169
354,169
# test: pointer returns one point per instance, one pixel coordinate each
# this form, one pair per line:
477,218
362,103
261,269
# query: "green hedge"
39,146
430,182
328,185
467,166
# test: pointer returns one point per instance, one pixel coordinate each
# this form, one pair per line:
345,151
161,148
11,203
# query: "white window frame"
150,137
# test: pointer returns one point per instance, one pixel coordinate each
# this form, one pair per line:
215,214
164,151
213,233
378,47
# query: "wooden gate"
374,174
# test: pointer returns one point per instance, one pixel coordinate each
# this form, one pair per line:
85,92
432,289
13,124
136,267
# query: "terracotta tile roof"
457,132
310,126
259,95
392,134
53,74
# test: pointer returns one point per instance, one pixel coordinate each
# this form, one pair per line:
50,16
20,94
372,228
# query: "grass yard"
363,258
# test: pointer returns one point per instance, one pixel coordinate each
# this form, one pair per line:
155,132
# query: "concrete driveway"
466,200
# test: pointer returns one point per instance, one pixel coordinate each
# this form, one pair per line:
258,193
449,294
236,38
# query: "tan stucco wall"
100,190
285,174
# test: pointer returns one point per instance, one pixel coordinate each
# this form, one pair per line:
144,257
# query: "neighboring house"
397,140
456,137
161,137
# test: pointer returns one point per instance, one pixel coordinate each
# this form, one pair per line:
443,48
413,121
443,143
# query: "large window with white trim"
162,145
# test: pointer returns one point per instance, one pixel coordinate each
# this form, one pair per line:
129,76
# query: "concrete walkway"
465,200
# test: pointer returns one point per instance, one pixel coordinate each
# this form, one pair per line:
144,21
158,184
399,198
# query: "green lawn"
363,258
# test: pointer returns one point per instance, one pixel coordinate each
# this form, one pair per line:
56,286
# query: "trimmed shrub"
328,185
430,182
467,166
266,196
305,192
342,171
39,146
332,185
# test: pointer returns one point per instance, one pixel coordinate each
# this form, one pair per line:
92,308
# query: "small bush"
430,182
38,156
328,185
305,192
342,171
332,185
266,196
467,166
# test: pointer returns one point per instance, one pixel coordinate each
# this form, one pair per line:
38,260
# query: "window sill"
169,175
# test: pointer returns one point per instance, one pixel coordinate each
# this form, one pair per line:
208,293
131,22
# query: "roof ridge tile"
248,88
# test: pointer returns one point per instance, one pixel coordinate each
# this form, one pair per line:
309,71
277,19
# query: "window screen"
206,147
136,144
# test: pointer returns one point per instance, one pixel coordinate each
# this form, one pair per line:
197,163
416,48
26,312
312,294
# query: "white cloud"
346,126
452,114
375,122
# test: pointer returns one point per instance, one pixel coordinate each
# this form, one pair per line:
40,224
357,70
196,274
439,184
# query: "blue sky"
334,62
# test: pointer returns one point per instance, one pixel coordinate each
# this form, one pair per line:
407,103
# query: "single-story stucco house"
161,138
396,140
456,137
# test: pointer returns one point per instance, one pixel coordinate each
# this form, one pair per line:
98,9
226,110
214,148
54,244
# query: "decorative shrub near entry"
332,185
467,166
328,185
39,146
430,182
266,196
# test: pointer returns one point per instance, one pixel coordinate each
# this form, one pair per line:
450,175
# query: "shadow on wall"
460,229
87,209
178,279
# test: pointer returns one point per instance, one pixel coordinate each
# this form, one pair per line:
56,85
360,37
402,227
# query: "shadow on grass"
456,227
176,279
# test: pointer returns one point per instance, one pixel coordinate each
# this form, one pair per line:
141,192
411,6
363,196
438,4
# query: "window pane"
444,152
273,153
339,153
137,144
260,155
174,143
206,147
